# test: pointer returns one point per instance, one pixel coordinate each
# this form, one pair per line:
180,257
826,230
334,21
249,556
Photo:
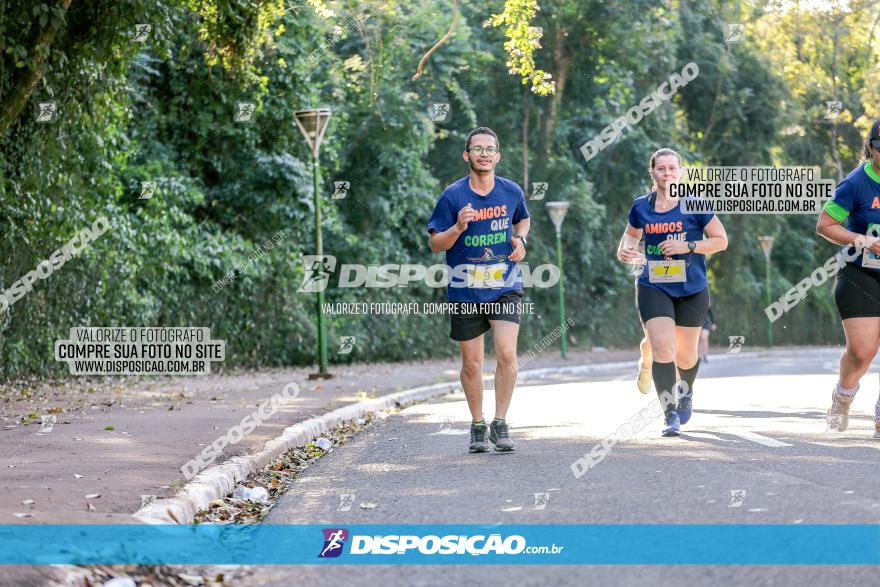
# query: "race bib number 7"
486,276
667,272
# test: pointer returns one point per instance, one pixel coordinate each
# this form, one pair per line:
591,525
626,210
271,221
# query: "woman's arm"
833,231
717,240
627,250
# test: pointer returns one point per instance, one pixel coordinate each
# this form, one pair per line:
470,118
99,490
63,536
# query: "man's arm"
443,241
521,228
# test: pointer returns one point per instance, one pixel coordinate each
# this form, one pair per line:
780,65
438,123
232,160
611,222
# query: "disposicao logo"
334,540
473,545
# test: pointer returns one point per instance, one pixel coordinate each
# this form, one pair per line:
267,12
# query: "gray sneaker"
499,435
478,437
838,413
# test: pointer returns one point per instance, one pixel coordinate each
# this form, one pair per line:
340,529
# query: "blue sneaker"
685,408
672,424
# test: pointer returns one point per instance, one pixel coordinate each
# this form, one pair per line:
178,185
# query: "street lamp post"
767,246
312,123
557,211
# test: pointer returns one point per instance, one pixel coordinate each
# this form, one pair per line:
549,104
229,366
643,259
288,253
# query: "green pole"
319,245
563,343
769,324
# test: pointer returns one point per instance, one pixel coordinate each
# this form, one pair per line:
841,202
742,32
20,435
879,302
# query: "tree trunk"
527,107
834,153
23,85
562,61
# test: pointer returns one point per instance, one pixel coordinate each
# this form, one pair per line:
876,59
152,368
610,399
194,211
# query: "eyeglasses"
486,150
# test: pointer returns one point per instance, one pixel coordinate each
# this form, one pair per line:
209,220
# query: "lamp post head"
312,123
766,243
557,212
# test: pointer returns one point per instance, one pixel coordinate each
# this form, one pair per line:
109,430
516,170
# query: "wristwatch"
692,246
522,238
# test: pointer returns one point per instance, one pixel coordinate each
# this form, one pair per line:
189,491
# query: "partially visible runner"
708,327
673,293
481,221
643,380
857,291
646,359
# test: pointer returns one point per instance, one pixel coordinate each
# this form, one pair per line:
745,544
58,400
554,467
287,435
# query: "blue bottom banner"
268,544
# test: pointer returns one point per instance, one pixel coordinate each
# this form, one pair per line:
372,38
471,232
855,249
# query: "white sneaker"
644,380
877,420
838,414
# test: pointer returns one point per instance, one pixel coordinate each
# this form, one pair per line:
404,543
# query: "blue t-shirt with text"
480,269
671,224
857,202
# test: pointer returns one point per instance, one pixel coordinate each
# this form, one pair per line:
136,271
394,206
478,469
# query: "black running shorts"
857,292
468,320
686,311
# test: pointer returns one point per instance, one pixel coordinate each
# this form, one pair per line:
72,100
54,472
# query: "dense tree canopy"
157,105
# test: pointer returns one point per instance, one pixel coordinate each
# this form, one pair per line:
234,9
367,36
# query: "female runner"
673,293
857,291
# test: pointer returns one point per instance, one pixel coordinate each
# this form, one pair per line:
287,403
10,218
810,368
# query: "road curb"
217,481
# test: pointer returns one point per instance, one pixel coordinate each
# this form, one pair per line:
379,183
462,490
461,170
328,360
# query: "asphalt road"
755,452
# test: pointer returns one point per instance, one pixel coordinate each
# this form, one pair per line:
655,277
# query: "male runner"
481,221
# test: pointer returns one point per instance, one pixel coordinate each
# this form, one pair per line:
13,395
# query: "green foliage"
162,110
522,40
